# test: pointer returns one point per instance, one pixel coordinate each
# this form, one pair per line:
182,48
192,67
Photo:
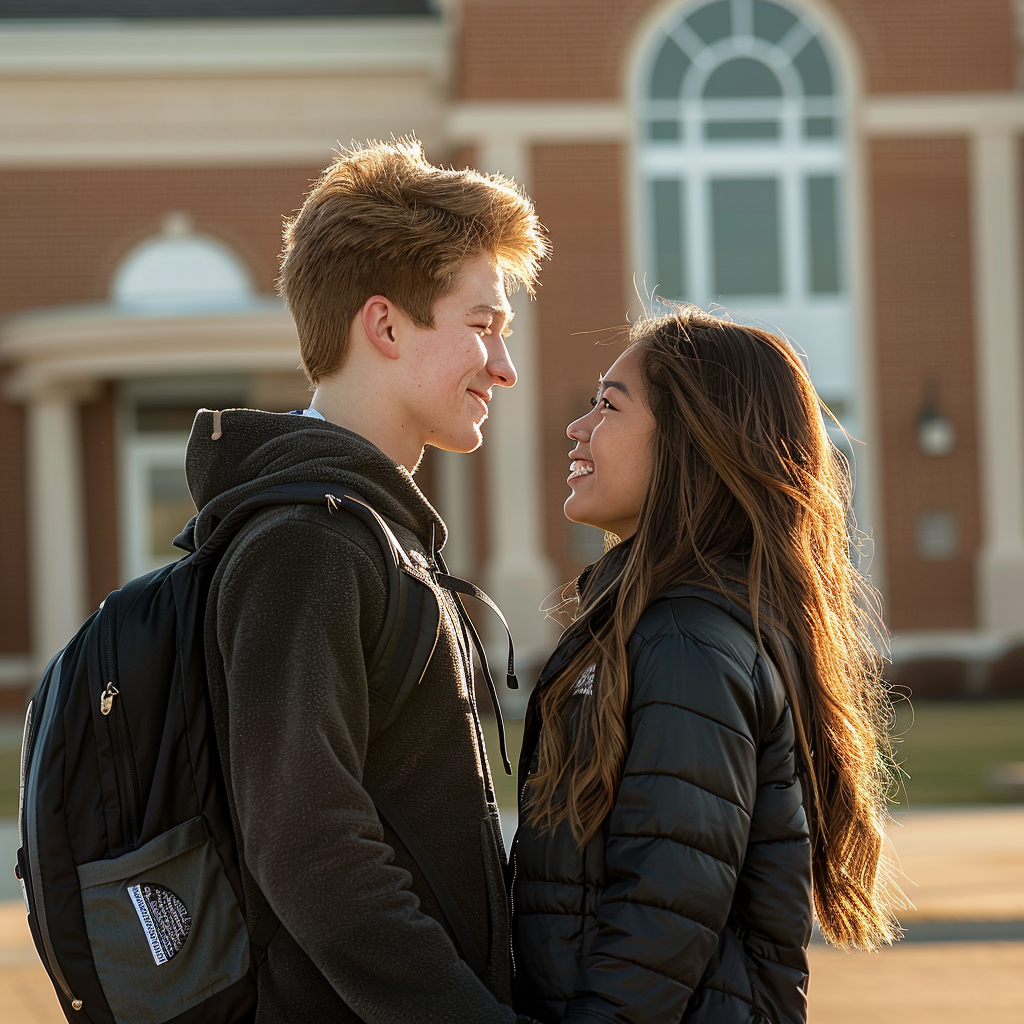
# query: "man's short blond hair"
383,221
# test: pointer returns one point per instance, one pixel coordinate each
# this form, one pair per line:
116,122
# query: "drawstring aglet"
511,682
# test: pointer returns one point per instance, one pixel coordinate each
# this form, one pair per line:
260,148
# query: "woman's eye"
605,404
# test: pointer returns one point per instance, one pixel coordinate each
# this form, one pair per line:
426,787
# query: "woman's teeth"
578,469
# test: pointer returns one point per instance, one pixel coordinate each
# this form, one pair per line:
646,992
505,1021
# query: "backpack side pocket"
164,925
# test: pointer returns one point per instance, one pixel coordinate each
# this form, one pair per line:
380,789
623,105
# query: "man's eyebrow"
604,384
508,314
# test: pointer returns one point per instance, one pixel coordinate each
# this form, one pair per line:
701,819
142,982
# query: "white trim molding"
517,124
937,114
68,49
965,645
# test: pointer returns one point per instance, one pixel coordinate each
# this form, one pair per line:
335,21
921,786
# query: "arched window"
742,160
181,272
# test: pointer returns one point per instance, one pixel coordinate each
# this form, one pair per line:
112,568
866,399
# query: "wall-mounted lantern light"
936,435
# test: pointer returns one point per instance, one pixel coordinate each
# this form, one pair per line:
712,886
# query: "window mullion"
699,254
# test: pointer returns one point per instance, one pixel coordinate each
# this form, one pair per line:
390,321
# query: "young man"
396,273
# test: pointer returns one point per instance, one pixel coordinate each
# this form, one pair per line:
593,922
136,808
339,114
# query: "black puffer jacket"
693,901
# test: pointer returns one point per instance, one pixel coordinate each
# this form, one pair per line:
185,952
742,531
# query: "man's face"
451,369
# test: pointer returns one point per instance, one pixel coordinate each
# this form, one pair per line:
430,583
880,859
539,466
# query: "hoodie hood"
253,451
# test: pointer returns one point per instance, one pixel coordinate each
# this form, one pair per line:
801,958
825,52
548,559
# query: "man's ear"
379,321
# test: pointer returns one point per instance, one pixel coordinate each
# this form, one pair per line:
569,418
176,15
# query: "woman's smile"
578,469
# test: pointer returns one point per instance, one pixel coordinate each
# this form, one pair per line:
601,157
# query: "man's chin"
461,445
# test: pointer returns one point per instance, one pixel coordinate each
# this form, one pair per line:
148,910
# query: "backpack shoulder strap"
412,616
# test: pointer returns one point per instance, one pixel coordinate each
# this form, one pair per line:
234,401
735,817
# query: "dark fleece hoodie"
295,608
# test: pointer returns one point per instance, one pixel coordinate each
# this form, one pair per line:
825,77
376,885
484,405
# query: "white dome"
182,273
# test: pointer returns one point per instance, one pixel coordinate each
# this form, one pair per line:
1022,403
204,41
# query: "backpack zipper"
51,677
112,709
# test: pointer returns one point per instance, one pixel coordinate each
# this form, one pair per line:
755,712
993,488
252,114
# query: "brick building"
848,171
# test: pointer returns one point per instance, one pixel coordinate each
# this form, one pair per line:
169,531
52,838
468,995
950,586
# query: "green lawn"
947,752
948,749
504,787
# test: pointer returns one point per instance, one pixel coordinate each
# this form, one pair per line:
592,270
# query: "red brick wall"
14,595
582,305
66,231
924,329
99,478
579,49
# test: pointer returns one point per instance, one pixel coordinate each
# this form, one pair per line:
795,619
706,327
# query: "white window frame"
140,454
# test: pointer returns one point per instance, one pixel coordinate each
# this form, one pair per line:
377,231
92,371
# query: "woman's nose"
578,430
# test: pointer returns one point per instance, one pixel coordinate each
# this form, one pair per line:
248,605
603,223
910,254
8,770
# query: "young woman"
706,747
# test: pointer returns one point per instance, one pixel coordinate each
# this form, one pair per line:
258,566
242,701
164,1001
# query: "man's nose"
499,364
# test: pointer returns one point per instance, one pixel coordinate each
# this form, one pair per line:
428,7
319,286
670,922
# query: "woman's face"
611,463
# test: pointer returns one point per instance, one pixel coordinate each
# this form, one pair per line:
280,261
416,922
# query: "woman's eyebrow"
617,384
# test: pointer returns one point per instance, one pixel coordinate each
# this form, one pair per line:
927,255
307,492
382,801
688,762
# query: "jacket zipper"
125,770
512,906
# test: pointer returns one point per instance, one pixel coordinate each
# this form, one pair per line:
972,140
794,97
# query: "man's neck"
358,407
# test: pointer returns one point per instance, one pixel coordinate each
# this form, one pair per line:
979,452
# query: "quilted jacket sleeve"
677,833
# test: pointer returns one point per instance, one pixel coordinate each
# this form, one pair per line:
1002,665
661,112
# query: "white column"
518,575
995,181
455,503
56,520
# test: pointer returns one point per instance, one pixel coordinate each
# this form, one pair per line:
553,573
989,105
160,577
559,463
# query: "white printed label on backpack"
165,919
584,686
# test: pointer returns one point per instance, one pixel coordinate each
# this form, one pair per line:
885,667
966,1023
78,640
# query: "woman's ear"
378,322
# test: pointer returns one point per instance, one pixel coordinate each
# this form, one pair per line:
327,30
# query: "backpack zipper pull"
107,698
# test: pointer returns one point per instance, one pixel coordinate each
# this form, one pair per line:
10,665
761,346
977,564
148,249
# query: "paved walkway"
968,871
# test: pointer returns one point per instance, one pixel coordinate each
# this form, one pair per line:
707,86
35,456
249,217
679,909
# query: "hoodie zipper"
125,770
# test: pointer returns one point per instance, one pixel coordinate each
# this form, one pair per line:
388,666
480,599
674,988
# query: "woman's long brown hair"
748,496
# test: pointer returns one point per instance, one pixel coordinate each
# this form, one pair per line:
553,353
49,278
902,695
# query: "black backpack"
127,855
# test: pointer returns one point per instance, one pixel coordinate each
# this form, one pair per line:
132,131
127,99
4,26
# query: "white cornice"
175,121
306,46
52,348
